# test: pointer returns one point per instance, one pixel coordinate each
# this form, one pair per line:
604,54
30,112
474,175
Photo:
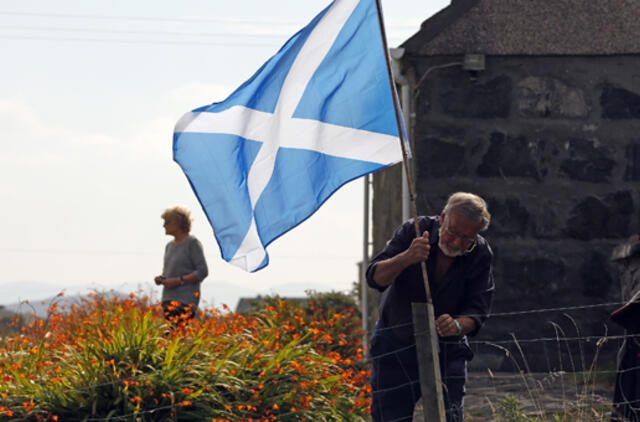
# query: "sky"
89,94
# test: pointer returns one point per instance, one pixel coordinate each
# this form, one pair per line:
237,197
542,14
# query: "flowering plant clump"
114,358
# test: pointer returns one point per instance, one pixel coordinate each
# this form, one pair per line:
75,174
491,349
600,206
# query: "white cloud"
30,141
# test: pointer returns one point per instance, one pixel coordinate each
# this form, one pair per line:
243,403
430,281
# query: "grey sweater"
185,258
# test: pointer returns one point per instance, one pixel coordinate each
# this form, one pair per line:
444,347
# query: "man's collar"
434,234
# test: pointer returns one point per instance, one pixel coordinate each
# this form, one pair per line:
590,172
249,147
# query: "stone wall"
386,205
553,145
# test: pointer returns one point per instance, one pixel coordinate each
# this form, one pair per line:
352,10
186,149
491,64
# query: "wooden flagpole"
423,314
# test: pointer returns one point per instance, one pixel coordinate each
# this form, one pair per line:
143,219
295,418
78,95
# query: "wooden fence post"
428,362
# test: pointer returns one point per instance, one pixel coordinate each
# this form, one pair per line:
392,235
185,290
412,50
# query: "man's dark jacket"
465,290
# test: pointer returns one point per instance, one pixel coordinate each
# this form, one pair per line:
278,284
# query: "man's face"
457,234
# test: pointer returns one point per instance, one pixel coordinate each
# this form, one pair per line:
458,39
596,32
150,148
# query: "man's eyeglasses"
469,241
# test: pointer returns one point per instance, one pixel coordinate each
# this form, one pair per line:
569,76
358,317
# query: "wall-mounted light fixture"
474,64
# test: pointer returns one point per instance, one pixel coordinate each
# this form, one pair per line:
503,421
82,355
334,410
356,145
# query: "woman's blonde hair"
469,206
179,215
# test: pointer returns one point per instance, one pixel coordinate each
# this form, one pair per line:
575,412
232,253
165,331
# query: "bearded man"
459,268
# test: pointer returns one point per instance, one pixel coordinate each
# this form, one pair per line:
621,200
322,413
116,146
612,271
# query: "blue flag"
317,115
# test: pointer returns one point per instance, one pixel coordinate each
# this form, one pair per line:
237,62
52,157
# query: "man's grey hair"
469,206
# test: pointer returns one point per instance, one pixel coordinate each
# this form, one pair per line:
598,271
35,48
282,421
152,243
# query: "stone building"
534,105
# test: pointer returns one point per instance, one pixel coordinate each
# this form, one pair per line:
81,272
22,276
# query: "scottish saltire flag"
317,115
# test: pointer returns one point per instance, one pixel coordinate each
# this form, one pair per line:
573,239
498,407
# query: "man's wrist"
458,326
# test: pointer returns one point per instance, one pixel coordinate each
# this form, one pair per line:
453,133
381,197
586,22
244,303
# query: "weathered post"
428,362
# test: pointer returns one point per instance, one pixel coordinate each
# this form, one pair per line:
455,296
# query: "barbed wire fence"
570,379
569,374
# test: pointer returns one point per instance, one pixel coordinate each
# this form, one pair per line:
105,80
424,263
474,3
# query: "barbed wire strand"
513,313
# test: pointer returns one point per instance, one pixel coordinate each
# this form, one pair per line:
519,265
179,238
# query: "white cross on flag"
317,115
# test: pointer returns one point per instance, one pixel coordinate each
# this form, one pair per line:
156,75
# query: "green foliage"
119,358
510,410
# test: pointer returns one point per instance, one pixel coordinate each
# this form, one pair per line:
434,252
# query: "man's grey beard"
445,249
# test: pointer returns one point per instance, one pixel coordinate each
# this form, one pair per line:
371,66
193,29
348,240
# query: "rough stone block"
547,222
588,219
622,209
513,219
593,218
463,98
587,162
508,156
531,278
441,158
619,103
549,97
594,276
620,202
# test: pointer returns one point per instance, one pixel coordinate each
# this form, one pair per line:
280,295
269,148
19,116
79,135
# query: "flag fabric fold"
315,116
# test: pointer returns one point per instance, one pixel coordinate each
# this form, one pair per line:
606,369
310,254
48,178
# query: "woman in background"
184,267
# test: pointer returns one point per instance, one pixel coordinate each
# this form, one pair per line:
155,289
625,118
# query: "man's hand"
419,249
159,279
446,326
389,269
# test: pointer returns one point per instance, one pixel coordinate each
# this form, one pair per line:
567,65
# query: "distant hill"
214,293
31,290
41,307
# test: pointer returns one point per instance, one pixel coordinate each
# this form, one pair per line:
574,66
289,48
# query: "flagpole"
427,349
363,268
405,157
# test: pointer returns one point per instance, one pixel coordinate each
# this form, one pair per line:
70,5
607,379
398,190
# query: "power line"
226,20
81,252
232,21
406,26
140,32
148,253
150,19
125,41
